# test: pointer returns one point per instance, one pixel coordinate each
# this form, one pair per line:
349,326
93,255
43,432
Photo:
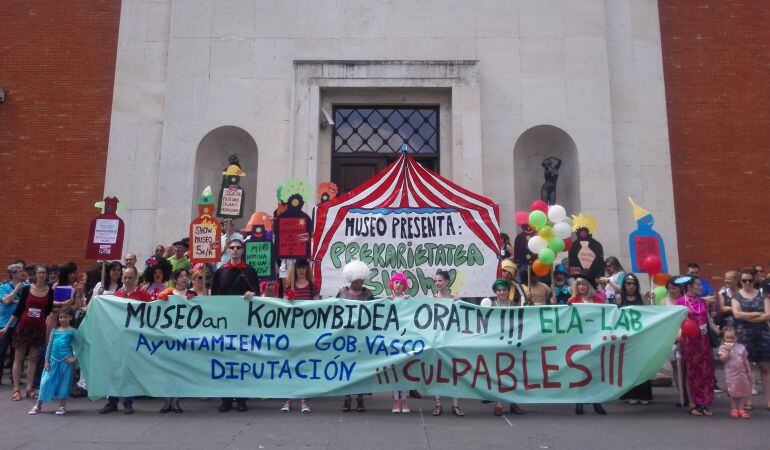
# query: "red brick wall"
57,65
716,63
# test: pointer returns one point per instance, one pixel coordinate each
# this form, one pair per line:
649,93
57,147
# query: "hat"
560,268
508,266
584,276
184,242
501,282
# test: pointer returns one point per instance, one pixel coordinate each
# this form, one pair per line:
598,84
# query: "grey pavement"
660,425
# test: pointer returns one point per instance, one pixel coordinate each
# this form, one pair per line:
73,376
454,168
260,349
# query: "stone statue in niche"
551,167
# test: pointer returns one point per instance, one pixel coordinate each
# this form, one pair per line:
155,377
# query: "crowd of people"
42,305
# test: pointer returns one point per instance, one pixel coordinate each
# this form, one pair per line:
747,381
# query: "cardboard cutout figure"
105,236
205,231
644,241
262,219
232,196
586,255
259,253
293,227
326,191
521,254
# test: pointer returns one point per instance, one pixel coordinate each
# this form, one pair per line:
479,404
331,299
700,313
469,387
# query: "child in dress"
398,285
737,373
59,363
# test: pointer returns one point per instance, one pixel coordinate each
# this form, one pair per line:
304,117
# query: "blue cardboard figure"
644,241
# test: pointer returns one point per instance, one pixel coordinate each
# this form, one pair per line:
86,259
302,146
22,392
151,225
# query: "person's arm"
740,315
723,308
48,350
713,326
613,284
11,297
763,316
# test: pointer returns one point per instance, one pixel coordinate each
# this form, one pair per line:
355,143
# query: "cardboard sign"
409,220
231,202
292,235
644,241
205,246
105,235
259,256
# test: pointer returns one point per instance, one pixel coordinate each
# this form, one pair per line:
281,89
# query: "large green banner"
225,346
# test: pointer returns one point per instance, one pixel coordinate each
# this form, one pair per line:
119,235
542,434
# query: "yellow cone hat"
639,212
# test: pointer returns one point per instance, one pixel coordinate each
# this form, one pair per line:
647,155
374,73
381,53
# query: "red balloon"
540,205
652,265
567,244
690,328
522,218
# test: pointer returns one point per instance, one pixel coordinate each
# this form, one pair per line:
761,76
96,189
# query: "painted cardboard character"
586,255
644,241
232,195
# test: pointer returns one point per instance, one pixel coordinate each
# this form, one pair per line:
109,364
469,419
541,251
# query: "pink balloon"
522,217
540,205
652,265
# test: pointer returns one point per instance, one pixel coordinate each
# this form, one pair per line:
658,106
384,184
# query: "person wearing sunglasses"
630,295
235,278
751,312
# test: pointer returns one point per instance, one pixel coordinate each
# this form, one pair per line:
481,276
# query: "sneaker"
108,408
717,389
304,407
286,407
35,410
61,411
128,409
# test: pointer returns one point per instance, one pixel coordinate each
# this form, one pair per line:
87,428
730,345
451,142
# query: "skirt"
56,382
29,336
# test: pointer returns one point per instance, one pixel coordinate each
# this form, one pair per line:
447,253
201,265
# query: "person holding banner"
631,296
583,292
442,291
356,272
502,288
131,291
516,294
696,350
398,285
199,276
181,280
561,289
235,278
35,304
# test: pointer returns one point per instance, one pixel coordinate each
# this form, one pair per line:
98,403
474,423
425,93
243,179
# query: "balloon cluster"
553,235
652,266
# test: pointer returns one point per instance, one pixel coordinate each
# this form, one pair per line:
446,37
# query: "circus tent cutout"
409,219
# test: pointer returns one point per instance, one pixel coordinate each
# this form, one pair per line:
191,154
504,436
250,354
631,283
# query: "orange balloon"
660,279
540,268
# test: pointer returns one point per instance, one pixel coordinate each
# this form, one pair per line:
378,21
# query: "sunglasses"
235,247
199,277
743,280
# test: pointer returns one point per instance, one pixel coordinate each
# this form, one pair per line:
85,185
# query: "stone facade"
589,70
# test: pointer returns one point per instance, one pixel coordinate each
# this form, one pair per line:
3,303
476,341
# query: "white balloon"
562,230
556,213
486,302
536,243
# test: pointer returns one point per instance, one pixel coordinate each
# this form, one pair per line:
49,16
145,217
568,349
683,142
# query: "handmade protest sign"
204,232
231,197
259,256
105,236
411,220
644,241
224,346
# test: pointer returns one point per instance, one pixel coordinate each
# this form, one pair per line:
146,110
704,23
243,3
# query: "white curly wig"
355,270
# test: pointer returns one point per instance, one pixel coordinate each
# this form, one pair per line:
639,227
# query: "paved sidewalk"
201,426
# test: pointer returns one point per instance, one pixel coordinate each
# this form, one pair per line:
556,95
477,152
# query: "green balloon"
660,293
538,219
556,244
546,256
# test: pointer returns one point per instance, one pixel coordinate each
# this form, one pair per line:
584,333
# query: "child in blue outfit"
59,363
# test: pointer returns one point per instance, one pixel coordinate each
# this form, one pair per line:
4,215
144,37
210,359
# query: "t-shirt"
6,311
181,263
138,294
305,293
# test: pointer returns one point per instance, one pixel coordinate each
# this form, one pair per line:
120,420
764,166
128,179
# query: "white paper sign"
106,231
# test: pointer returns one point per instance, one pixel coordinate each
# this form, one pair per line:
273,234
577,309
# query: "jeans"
127,401
5,342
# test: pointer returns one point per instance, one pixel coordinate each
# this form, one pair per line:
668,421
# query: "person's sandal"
734,413
707,412
695,411
437,410
457,411
346,404
498,411
30,393
743,414
516,409
16,396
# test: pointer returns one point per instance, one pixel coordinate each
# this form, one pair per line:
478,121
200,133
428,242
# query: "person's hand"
405,297
71,360
3,331
553,300
46,367
248,295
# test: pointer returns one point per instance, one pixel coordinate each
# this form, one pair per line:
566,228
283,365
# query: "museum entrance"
367,138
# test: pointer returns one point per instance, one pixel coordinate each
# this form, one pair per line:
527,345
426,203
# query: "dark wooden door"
349,172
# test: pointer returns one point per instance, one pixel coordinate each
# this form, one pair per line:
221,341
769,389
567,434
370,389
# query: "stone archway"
532,147
211,159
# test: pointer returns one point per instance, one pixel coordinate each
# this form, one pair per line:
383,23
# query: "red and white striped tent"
411,220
